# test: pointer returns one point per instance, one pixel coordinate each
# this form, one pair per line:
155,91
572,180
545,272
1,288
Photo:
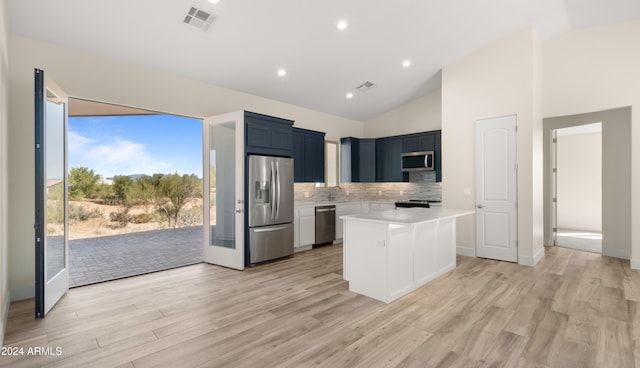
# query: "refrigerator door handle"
278,190
266,230
275,189
272,190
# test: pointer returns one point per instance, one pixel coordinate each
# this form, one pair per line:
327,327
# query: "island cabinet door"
365,259
446,252
399,261
425,252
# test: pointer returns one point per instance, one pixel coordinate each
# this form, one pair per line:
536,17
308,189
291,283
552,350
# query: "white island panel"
389,254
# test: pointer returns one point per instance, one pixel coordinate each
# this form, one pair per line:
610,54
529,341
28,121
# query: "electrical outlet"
379,192
306,194
401,192
347,193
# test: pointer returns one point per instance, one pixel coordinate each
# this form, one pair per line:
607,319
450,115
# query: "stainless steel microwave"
418,161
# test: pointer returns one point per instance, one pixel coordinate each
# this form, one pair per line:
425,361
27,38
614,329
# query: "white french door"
496,189
224,163
51,224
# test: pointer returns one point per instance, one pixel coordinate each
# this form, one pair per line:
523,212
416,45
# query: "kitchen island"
391,253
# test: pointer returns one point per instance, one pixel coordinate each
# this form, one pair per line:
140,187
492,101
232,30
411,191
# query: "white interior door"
496,189
224,163
51,235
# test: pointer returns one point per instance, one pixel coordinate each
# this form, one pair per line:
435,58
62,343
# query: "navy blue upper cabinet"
268,135
298,155
358,160
419,142
388,160
308,156
426,141
367,160
349,160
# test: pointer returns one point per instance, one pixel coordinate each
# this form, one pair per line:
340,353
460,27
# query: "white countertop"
408,216
328,203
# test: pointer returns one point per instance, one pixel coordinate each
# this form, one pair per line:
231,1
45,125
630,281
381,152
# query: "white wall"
4,114
420,115
596,69
579,182
95,78
498,80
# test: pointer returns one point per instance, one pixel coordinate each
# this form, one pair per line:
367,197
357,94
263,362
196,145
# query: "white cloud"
117,157
76,142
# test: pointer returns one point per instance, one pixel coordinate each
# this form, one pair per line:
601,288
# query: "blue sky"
146,144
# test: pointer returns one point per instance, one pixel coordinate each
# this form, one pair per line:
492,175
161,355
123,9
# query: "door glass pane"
55,186
222,159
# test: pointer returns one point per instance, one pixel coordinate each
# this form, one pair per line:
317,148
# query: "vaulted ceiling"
250,40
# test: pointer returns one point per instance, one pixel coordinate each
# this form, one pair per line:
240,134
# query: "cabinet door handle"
480,206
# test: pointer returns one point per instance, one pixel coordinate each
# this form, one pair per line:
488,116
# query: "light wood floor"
573,309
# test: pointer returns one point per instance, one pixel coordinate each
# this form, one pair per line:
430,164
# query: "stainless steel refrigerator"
270,207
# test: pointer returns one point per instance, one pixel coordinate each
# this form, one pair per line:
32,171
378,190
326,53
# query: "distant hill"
132,176
137,176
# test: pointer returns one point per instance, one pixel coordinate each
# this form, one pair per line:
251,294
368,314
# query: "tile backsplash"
421,185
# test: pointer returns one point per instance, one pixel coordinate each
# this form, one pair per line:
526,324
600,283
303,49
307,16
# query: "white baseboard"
302,248
531,261
23,292
464,251
635,264
615,253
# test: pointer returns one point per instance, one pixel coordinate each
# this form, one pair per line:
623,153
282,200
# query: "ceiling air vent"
199,19
364,87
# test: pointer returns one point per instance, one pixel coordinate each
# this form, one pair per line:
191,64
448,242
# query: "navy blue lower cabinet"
308,156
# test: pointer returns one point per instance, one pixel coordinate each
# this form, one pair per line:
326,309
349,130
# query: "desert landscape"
191,215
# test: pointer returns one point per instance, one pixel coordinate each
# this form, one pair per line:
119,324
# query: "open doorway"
616,177
135,191
577,154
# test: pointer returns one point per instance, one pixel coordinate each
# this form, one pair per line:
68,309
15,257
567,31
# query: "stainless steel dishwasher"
325,224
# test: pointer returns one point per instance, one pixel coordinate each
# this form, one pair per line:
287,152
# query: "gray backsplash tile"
421,185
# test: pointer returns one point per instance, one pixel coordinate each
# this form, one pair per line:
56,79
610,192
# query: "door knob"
239,210
480,206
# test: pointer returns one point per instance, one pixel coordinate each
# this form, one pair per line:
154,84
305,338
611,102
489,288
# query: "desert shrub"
122,188
161,217
83,182
121,216
190,216
143,218
106,193
178,190
80,213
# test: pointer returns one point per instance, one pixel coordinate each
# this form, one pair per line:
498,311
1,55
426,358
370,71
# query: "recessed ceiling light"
342,25
349,95
406,63
214,1
282,72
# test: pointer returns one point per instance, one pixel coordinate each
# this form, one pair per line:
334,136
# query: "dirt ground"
104,226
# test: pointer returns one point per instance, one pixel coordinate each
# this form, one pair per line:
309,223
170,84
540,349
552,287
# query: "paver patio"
116,256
